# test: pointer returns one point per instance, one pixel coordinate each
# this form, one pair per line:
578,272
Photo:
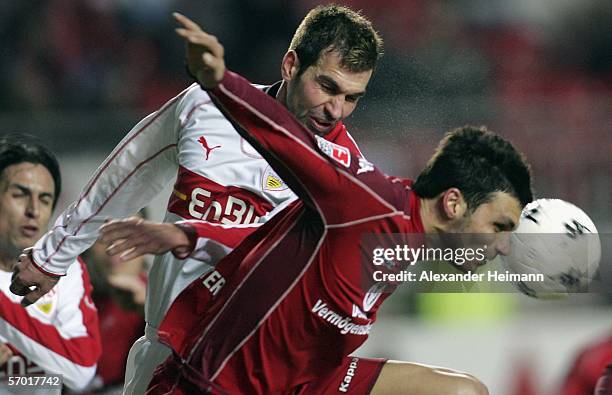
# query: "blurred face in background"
27,191
323,94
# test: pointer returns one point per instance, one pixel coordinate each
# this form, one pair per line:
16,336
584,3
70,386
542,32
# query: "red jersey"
288,304
587,367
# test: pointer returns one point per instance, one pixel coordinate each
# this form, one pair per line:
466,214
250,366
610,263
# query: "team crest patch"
47,304
337,152
272,182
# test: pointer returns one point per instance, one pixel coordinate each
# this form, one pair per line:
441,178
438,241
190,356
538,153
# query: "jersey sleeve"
325,175
69,344
143,163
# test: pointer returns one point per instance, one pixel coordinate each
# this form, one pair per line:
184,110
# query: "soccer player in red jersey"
218,177
282,313
586,368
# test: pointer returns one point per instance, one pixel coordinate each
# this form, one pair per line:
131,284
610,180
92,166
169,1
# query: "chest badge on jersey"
272,182
364,166
207,149
47,304
337,152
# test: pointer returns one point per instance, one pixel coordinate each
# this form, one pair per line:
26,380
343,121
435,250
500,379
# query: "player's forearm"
133,174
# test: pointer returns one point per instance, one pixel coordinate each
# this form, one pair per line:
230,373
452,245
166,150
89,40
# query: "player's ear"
290,66
453,204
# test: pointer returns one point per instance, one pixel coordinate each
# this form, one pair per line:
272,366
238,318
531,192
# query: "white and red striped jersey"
218,177
58,334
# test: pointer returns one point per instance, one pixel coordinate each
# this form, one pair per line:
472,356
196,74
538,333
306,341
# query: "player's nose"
503,243
33,208
333,108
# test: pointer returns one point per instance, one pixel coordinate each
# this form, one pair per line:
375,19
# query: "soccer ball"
558,240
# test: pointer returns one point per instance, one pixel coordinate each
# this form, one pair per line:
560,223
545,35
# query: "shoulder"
194,96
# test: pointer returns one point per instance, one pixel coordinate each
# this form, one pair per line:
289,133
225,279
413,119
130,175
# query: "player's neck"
281,95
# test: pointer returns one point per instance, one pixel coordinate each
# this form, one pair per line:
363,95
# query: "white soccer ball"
557,239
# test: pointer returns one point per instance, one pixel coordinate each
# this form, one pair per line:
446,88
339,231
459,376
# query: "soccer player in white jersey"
218,177
58,334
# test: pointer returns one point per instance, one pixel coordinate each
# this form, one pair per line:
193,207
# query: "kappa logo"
272,182
372,296
357,313
337,152
350,373
206,147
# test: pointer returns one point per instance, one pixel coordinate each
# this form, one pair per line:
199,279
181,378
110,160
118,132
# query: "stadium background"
79,73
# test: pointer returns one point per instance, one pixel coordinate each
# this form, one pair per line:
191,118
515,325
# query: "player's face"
26,199
490,225
325,93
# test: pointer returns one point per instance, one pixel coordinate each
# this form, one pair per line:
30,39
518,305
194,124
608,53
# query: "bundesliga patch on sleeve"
337,152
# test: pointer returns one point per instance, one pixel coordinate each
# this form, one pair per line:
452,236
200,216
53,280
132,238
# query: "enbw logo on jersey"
337,152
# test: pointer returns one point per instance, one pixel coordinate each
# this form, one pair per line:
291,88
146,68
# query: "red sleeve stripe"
190,113
59,245
108,160
43,271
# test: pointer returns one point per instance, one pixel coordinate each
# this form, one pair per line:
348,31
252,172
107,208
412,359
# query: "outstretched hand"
205,59
134,237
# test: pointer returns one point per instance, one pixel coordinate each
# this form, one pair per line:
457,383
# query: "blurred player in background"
119,292
282,313
587,367
218,176
604,384
58,334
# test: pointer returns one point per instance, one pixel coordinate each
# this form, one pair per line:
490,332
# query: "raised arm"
141,165
326,176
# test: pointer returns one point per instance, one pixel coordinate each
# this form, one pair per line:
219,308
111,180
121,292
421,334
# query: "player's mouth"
322,127
29,231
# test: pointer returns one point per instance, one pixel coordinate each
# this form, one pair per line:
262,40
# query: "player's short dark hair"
337,28
19,148
479,163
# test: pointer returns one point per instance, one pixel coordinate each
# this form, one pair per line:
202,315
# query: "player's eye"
352,99
328,89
